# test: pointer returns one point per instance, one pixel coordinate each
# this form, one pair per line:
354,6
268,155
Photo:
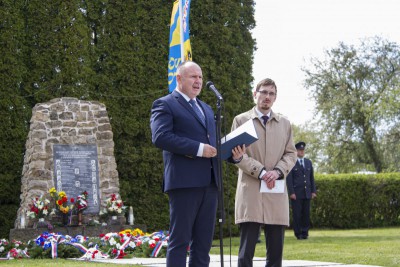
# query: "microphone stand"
219,171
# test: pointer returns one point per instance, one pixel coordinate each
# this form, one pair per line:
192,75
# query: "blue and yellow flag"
179,33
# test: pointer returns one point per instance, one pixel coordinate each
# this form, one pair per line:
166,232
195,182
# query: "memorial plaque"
75,171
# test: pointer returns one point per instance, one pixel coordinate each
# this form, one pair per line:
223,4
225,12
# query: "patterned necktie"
265,119
197,111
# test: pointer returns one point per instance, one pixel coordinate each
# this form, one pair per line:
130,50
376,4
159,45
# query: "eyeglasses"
266,93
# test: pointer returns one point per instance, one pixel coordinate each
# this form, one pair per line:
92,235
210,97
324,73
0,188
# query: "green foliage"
115,52
356,93
64,251
356,201
14,111
8,213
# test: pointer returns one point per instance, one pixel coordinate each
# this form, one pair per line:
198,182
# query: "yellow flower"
135,232
63,209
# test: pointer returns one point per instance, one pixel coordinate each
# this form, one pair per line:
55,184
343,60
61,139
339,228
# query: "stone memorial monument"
70,147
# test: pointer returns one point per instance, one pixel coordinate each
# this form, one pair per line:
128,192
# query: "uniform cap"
300,146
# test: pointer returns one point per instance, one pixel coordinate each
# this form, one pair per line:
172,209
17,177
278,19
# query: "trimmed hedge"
356,201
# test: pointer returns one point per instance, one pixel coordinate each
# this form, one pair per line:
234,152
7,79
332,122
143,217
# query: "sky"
289,32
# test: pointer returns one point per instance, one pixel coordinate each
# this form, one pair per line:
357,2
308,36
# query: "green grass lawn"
379,246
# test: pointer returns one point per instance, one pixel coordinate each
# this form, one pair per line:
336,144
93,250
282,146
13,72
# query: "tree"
356,90
58,47
14,111
115,52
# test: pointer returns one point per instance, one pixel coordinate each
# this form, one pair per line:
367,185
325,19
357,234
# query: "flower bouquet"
114,207
81,204
62,205
39,208
81,201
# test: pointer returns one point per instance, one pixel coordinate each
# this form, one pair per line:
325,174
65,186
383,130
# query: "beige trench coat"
273,149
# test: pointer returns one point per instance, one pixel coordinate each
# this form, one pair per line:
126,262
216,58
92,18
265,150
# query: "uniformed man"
301,188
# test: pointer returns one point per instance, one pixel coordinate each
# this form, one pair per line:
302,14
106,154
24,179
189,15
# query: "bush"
356,201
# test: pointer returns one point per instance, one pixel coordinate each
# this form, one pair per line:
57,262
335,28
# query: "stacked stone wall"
65,121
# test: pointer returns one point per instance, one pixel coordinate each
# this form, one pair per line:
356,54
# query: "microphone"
211,86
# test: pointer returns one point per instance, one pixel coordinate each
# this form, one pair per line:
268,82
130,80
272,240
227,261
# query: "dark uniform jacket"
300,181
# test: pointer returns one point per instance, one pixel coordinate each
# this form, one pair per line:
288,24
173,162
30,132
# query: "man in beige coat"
268,161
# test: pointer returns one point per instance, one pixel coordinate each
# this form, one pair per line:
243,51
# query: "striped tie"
197,111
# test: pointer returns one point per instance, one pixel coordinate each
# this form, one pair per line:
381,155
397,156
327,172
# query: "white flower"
132,244
53,212
112,241
45,212
30,214
1,249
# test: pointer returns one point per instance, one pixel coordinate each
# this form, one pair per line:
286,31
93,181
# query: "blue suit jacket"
300,181
178,132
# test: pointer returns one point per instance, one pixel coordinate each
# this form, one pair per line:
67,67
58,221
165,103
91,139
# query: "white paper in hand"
279,187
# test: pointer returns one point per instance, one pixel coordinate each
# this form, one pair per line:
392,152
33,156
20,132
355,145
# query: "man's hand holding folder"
243,135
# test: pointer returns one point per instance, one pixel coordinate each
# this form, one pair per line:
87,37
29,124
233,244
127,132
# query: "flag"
178,35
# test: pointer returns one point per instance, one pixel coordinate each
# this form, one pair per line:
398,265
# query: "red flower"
94,253
102,235
72,200
152,245
121,254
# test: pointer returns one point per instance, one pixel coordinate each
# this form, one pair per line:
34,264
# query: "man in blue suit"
301,189
184,128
